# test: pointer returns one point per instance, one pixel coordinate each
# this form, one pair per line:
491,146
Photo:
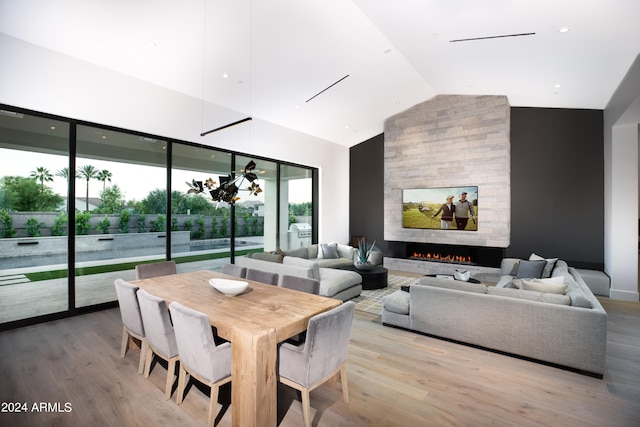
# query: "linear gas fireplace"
450,254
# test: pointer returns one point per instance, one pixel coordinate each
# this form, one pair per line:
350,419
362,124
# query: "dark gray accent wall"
366,191
557,186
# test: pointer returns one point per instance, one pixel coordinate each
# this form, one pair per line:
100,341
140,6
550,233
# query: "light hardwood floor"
396,378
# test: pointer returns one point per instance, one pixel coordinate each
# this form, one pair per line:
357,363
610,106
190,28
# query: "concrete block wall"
451,141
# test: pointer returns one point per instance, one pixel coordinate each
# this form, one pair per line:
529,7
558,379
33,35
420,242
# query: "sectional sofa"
567,328
334,283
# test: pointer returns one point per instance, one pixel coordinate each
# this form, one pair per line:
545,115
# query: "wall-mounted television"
441,208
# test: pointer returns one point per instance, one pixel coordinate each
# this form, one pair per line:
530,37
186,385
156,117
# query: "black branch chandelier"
228,189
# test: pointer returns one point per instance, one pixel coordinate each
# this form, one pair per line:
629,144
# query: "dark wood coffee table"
374,278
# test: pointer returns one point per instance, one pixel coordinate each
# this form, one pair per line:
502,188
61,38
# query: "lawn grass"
98,269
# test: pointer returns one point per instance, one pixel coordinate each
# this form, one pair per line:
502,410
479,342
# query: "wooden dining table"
254,322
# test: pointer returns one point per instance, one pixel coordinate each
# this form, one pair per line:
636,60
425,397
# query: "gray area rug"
371,301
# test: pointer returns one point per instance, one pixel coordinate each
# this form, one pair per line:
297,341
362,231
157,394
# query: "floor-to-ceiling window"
34,158
121,208
94,201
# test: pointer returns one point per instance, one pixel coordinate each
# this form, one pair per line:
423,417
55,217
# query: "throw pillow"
546,287
329,250
530,269
551,262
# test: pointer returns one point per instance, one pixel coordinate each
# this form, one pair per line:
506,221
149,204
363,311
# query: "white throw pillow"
543,285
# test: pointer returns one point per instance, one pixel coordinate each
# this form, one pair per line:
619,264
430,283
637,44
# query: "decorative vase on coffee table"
363,265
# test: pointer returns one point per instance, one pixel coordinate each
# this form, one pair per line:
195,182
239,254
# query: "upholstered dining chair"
262,276
321,357
200,357
234,270
132,326
302,284
155,269
160,336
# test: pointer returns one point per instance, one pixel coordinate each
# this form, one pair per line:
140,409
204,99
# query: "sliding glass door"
34,153
120,209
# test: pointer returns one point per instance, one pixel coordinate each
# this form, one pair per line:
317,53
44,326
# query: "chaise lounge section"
567,329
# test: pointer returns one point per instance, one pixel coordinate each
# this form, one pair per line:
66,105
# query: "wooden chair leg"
125,343
306,407
144,349
147,363
181,384
169,385
343,380
213,405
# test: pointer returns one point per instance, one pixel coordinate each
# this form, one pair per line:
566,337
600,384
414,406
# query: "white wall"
42,80
621,212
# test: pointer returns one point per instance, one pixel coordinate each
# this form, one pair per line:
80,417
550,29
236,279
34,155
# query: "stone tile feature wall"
451,141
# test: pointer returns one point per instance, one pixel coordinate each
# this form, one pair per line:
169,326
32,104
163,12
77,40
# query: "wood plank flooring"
396,378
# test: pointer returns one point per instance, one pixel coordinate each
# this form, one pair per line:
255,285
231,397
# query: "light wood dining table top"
254,322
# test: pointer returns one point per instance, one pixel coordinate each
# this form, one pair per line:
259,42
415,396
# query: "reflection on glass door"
121,209
33,216
296,207
255,214
202,226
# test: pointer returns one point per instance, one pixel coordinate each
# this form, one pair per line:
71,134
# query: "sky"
135,181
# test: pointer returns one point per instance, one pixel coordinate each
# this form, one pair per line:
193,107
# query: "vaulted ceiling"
336,69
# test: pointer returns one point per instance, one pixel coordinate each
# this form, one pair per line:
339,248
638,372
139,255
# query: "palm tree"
104,176
42,174
63,173
87,172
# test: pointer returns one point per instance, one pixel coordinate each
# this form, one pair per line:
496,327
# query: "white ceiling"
280,53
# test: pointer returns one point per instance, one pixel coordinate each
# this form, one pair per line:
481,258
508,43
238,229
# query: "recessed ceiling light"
556,85
52,128
225,76
564,30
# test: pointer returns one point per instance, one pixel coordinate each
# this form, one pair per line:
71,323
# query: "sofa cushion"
313,251
333,281
530,269
266,256
306,263
397,302
453,284
540,285
346,251
577,295
298,253
529,295
548,268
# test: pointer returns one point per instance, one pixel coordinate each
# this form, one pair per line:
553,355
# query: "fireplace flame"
437,257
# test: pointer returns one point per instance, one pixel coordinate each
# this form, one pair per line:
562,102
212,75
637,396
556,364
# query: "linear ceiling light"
226,126
491,37
327,88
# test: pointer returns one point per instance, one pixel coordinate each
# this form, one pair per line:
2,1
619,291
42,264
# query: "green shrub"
59,227
141,221
104,225
82,223
33,227
123,227
174,224
6,224
159,224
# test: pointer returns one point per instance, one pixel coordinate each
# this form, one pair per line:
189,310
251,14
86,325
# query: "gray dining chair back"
262,276
159,334
234,270
132,325
322,356
155,269
302,284
200,357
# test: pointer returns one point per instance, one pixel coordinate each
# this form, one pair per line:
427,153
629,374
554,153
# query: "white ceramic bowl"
229,287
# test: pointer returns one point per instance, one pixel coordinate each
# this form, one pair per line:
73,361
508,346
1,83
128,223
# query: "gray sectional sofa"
566,328
334,283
